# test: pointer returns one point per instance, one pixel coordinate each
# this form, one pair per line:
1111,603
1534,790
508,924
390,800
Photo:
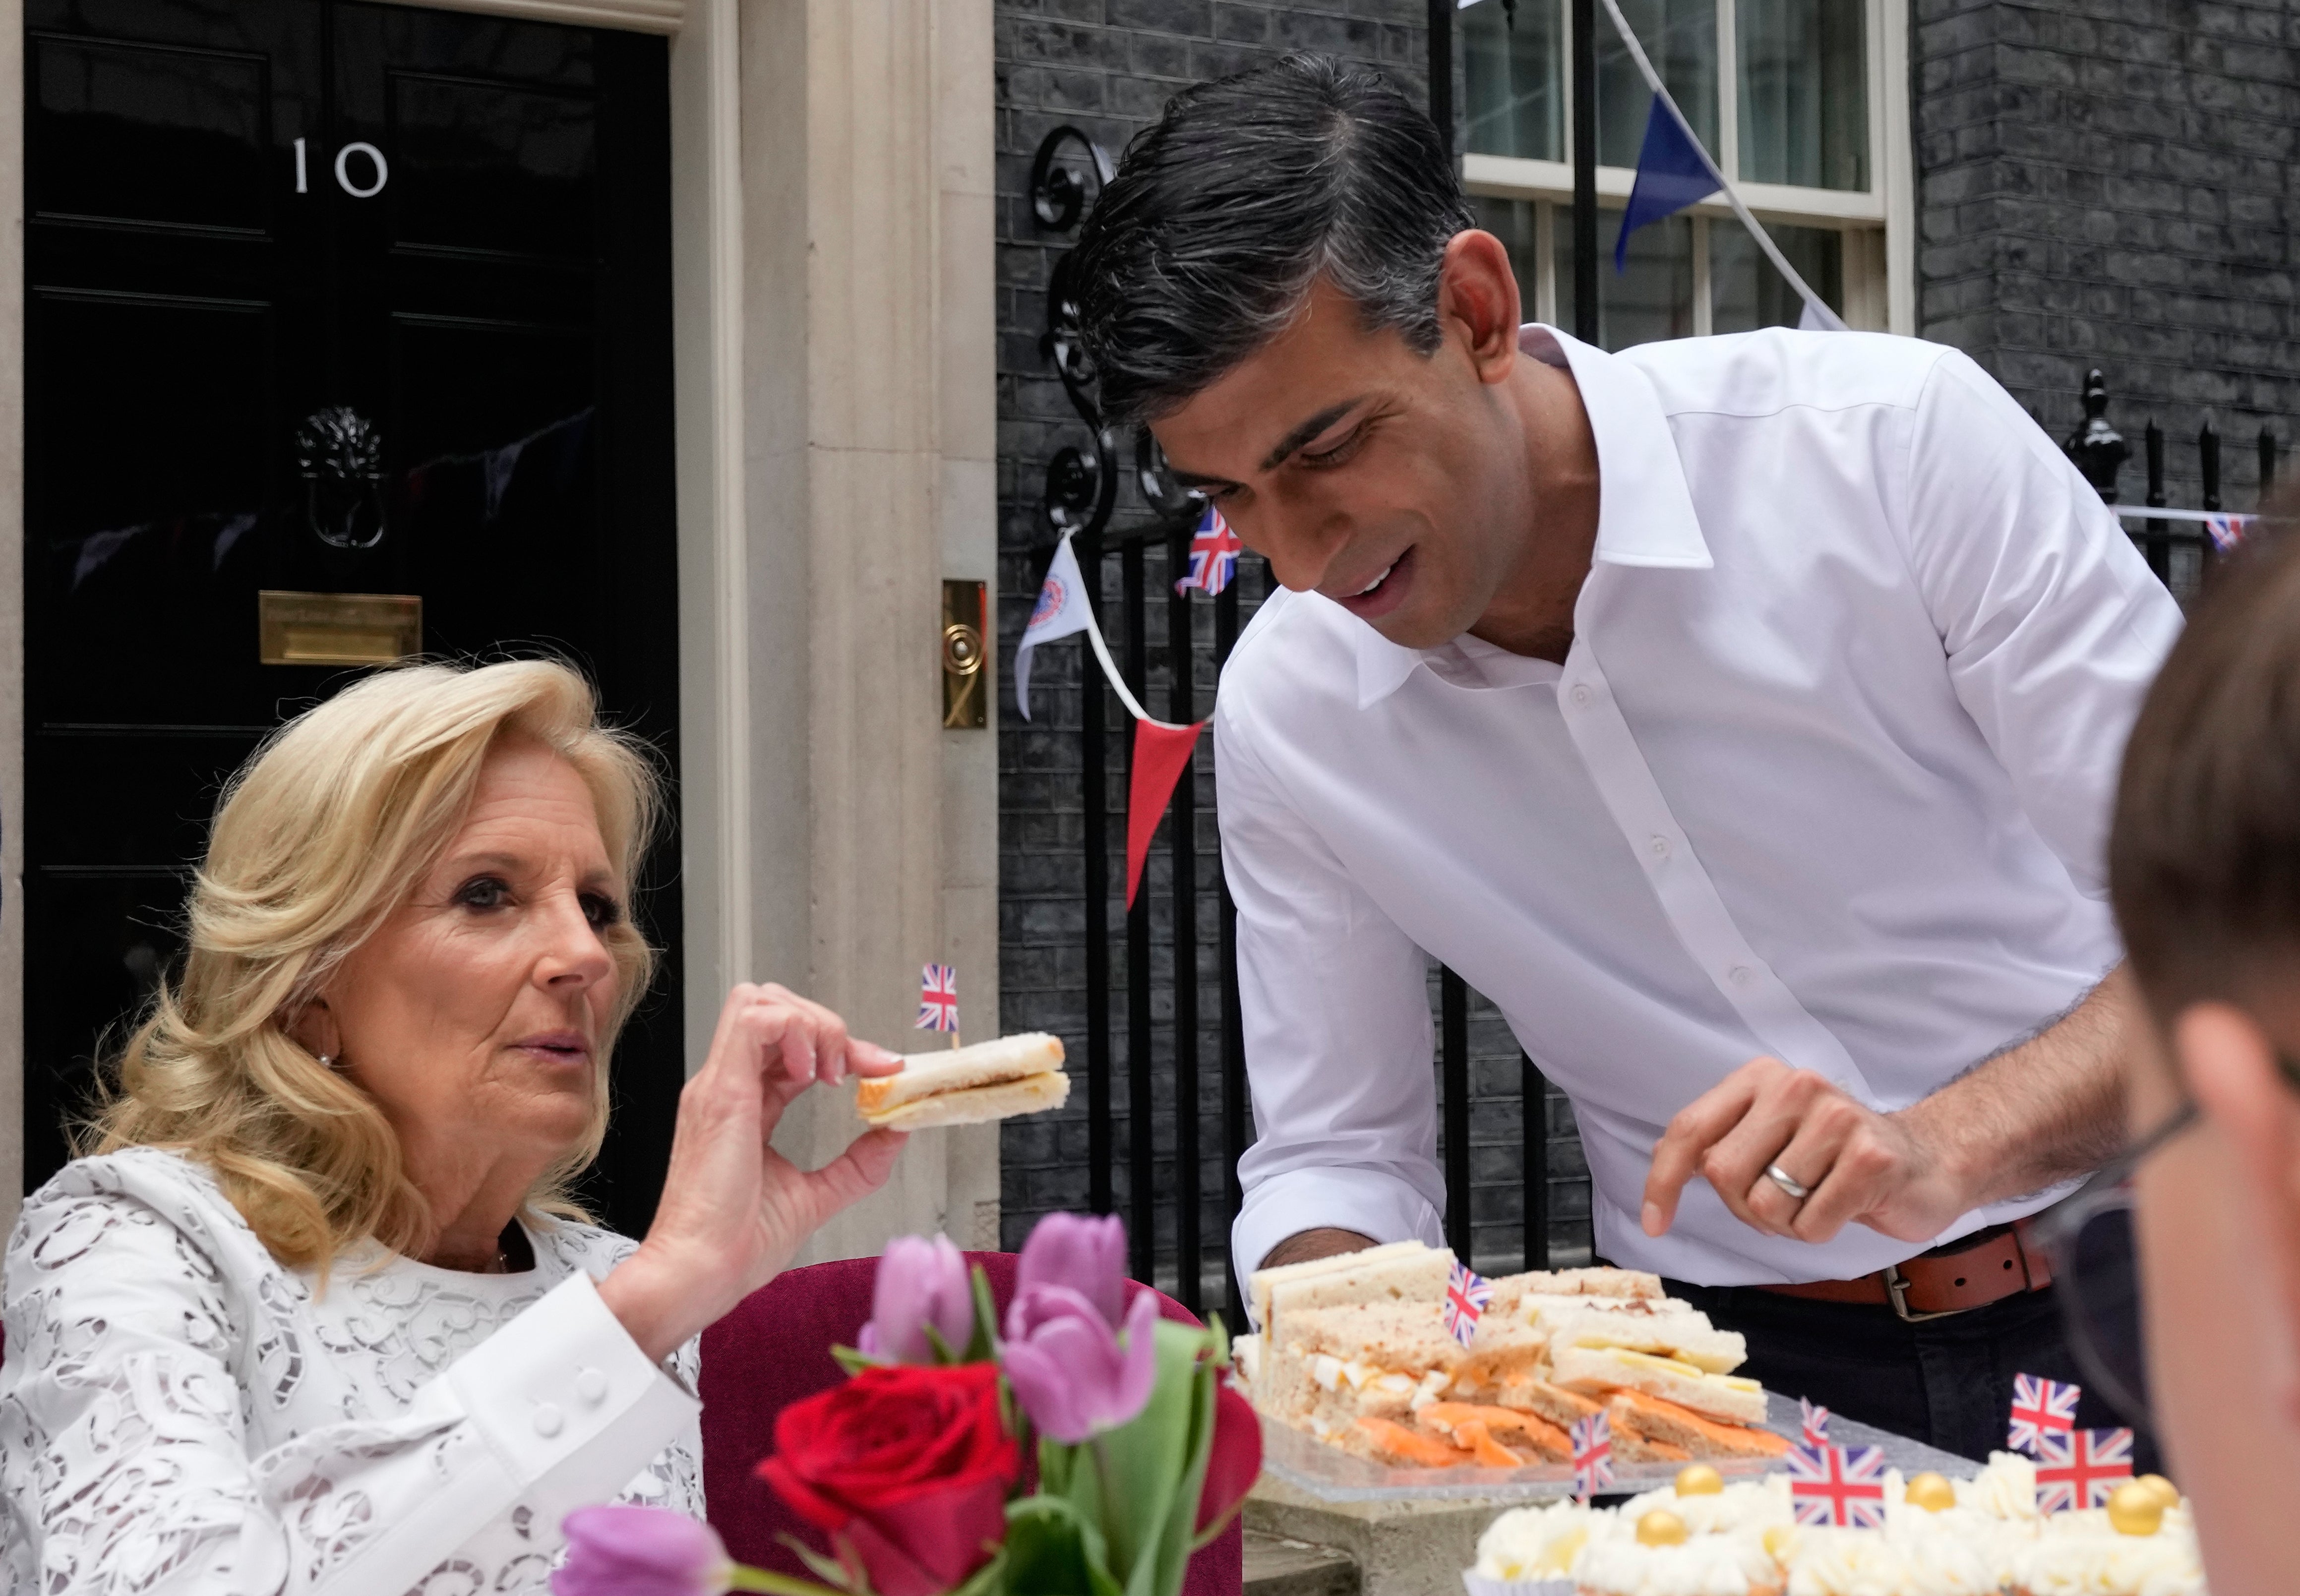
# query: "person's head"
412,926
2204,870
1285,284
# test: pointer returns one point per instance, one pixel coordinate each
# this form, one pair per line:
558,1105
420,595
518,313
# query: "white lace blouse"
179,1414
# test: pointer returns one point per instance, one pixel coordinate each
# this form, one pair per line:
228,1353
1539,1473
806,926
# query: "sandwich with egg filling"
967,1085
1330,1366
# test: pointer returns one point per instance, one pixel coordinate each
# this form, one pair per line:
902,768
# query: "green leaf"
989,1578
854,1362
940,1348
1152,1468
742,1576
1053,1550
984,1346
846,1575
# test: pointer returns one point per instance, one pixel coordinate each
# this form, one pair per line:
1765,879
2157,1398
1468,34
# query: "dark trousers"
1947,1381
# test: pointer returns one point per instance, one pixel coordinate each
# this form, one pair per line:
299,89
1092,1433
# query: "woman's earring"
327,1060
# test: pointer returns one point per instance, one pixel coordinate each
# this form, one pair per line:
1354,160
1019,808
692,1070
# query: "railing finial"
2097,448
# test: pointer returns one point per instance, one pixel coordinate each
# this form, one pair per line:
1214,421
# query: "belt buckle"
1897,1287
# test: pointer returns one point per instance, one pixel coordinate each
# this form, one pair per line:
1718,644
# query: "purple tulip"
1087,1255
1068,1366
619,1551
921,1282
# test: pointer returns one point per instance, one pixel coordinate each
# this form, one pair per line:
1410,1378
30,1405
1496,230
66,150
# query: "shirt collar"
1645,509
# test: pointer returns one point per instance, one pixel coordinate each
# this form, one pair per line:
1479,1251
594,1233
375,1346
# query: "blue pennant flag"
1672,174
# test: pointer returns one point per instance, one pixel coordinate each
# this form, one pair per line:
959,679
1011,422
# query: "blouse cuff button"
591,1386
548,1420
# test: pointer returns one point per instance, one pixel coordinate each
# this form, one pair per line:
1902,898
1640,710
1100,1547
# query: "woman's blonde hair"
317,839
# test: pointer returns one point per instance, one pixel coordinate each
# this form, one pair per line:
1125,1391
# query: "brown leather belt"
1970,1273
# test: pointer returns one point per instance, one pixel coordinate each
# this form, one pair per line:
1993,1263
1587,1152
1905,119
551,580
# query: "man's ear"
2229,1067
1477,302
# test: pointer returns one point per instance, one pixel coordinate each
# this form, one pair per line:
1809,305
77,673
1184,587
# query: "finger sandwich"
969,1086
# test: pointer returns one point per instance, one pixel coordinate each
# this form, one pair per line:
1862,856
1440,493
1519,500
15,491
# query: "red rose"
909,1465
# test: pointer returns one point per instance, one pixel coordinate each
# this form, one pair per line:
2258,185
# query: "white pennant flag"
1062,610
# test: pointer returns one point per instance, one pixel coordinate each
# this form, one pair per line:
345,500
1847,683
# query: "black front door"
323,298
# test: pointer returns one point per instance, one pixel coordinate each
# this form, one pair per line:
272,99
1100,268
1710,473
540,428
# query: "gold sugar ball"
1930,1492
2166,1491
1661,1527
2134,1508
1698,1479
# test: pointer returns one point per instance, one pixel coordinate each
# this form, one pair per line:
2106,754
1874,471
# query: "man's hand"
1859,1165
1304,1246
2035,1114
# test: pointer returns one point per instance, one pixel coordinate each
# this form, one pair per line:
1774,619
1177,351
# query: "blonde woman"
315,1314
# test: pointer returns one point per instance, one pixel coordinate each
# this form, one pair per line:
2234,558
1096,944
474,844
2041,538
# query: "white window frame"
1879,224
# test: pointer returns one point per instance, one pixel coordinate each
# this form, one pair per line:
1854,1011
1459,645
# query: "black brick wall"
2109,183
1108,67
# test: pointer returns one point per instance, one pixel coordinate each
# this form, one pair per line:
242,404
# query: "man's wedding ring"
1786,1182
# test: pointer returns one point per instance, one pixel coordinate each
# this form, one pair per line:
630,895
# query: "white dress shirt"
181,1415
1826,773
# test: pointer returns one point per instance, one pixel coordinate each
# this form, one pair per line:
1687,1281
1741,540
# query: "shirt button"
548,1420
1660,846
1739,975
1582,694
591,1386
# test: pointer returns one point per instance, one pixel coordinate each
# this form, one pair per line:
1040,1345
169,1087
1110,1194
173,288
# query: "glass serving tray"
1332,1474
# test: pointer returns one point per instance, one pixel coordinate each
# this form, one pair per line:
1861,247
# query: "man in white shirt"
1740,715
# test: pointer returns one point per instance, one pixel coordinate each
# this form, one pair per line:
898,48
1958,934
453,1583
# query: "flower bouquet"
917,1468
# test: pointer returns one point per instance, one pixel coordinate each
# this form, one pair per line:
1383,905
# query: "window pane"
1511,221
1804,94
1513,69
1745,290
1652,299
1680,39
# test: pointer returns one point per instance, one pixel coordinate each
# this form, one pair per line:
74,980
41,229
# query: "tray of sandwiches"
1366,1394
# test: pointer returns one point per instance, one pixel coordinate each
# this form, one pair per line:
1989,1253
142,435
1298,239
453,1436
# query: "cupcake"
2143,1544
1709,1507
1676,1563
1527,1546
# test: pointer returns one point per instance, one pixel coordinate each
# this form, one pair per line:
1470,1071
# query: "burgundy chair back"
774,1349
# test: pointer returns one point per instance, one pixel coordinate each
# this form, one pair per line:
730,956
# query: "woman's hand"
733,1209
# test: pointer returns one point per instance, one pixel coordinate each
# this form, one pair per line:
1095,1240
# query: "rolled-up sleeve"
125,1436
1338,1033
2051,623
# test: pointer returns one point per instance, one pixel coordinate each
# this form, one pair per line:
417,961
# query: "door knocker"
341,455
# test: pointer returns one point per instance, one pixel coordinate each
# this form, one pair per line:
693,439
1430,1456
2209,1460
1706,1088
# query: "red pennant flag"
1161,753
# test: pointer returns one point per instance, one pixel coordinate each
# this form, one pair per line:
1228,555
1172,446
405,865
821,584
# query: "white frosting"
1743,1505
1531,1543
2078,1554
1857,1562
1734,1564
2005,1489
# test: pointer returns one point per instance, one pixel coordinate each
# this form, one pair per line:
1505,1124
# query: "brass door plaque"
965,694
337,629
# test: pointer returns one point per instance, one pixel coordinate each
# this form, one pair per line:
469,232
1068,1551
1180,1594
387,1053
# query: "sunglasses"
2096,1269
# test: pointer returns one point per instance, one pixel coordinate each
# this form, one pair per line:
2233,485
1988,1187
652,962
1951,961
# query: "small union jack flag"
1213,555
1467,1293
938,998
2041,1408
1593,1455
2078,1468
1816,1423
1839,1485
2226,531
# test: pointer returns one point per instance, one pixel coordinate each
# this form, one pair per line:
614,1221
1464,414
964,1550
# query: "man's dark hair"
2204,859
1247,191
